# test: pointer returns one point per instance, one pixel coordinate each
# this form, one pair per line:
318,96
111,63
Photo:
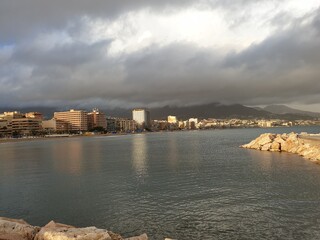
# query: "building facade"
34,115
112,124
126,125
172,119
142,118
25,126
55,125
96,119
11,115
77,119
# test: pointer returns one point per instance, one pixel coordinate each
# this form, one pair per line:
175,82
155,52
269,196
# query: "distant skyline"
154,53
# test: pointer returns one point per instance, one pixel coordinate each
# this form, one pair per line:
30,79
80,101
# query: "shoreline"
18,229
308,137
305,145
13,140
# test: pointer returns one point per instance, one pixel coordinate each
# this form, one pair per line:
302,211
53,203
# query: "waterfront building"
160,125
34,115
96,119
55,125
11,115
5,127
193,123
77,119
111,124
125,125
142,118
172,119
266,123
25,126
181,124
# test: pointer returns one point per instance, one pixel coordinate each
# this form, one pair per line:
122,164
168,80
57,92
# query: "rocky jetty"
306,145
13,229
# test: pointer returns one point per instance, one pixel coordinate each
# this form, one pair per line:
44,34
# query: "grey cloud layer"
19,19
283,68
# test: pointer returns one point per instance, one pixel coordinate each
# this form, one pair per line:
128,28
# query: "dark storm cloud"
284,68
22,18
19,19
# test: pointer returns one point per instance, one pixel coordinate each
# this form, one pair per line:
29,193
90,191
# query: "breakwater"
18,229
306,145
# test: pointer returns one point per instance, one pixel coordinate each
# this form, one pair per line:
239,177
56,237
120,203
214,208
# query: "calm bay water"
184,185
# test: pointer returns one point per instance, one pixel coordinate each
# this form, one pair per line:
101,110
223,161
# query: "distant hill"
212,110
283,109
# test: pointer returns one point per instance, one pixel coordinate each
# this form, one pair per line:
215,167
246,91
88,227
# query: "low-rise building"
172,119
34,115
25,126
55,125
5,127
125,125
11,115
111,124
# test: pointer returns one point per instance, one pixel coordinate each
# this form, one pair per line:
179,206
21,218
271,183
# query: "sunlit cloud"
152,54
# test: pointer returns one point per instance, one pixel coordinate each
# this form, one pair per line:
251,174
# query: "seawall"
306,145
18,229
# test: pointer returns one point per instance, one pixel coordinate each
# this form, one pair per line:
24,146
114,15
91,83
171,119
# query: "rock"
141,237
253,144
266,147
279,139
115,236
275,147
260,141
292,143
284,136
14,229
58,231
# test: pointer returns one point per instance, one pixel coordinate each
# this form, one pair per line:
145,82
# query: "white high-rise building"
141,117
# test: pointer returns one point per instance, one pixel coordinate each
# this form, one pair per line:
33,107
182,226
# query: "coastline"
18,229
13,140
303,144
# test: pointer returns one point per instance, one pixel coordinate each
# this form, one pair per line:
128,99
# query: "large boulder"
266,147
58,231
291,144
259,142
115,236
14,229
280,139
312,153
275,147
141,237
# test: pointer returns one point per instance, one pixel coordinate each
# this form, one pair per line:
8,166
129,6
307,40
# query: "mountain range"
283,109
212,110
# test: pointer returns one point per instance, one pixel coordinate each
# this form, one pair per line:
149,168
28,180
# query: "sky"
112,53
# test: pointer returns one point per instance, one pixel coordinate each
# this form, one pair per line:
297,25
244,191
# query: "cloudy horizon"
150,53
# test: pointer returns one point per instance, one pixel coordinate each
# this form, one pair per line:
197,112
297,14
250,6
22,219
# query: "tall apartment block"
142,118
96,119
77,119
